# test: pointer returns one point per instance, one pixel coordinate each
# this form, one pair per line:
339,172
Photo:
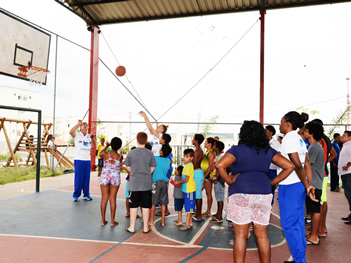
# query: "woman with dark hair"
207,167
110,179
250,196
292,190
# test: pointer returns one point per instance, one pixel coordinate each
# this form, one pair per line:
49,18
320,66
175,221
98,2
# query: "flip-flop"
198,220
207,215
129,231
309,242
184,228
322,236
147,232
215,220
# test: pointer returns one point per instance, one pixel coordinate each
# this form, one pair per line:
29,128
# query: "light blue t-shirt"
161,169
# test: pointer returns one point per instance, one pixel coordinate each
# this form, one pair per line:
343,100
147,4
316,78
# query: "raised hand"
142,114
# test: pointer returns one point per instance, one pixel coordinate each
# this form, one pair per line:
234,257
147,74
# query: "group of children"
149,167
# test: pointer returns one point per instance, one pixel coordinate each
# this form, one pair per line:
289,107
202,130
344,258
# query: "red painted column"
93,89
263,13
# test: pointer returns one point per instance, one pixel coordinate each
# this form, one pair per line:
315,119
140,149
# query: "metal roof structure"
101,12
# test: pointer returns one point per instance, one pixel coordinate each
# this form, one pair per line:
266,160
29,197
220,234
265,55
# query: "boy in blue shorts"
188,188
159,184
178,196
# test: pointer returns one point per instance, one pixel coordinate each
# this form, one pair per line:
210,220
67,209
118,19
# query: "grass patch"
12,174
5,157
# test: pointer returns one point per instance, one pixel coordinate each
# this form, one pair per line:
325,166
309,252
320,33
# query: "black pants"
346,183
334,178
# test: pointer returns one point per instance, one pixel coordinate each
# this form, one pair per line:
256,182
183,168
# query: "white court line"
276,215
160,245
100,241
202,229
61,238
154,230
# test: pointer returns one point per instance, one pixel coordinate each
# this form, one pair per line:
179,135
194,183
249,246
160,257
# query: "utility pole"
130,128
348,103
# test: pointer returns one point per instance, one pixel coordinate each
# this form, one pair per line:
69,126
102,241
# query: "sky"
307,61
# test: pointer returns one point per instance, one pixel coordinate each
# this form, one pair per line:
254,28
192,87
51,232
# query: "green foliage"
207,127
18,157
125,149
109,149
341,118
307,110
101,136
22,173
5,157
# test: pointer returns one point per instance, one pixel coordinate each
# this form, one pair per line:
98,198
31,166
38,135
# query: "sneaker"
75,199
88,198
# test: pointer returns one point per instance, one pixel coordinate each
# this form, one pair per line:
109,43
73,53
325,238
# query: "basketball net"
35,75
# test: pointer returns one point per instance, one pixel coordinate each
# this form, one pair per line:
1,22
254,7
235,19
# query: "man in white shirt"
344,170
82,163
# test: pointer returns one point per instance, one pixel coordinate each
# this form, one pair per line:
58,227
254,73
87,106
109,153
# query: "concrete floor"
49,227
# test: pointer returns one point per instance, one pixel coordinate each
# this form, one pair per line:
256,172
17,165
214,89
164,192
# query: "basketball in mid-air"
120,71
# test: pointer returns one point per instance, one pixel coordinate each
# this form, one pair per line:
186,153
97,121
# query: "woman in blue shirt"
251,196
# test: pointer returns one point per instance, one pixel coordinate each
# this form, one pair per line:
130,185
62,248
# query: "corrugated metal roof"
100,12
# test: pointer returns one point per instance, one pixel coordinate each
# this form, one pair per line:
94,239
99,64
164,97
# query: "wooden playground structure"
28,143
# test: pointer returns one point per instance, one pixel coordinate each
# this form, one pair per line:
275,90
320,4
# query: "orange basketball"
120,71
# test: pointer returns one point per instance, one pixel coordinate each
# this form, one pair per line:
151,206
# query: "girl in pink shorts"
110,179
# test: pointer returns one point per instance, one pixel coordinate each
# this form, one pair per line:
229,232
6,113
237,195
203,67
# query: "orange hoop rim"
25,69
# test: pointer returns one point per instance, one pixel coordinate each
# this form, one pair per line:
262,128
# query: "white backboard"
22,44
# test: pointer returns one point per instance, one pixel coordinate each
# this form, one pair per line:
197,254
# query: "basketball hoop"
35,75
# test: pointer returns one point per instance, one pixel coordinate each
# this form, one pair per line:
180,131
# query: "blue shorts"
189,202
199,177
178,204
126,192
219,192
100,162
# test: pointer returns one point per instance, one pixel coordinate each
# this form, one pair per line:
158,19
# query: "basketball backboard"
22,44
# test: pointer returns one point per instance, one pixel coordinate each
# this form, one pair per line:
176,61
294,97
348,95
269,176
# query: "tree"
307,110
207,127
341,118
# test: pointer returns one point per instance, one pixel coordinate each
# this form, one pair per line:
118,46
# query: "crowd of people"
253,170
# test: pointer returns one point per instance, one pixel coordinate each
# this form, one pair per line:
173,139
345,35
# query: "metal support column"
263,13
93,94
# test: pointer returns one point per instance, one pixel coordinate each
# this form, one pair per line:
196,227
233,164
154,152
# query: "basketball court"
49,227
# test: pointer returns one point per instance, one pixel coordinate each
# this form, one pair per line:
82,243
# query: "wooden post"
19,141
9,143
30,143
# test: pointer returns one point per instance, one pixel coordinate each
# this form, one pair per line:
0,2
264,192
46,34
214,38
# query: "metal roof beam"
94,2
78,10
